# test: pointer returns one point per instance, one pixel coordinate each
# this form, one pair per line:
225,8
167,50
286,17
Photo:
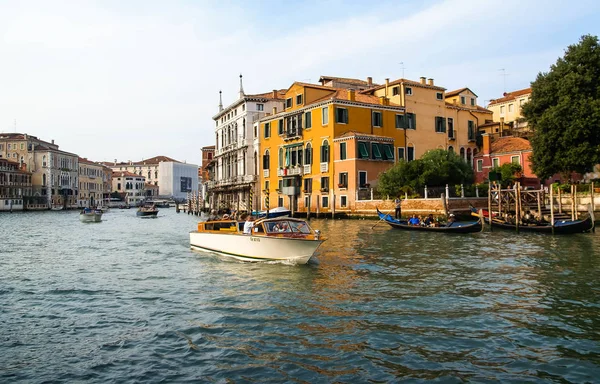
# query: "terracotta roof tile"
346,80
407,82
511,96
510,144
458,91
125,174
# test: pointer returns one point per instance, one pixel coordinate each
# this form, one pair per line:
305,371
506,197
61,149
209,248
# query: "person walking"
398,211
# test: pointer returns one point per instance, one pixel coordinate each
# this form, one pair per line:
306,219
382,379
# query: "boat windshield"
287,226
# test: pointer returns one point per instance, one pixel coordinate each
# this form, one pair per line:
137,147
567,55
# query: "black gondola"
560,226
456,227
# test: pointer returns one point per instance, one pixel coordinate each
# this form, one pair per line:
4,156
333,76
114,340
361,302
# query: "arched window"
255,163
462,152
325,152
266,160
280,160
156,174
469,155
149,174
308,154
44,161
450,149
410,152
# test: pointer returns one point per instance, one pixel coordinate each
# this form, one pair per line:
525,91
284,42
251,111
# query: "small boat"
286,240
88,215
272,213
57,208
147,211
453,227
560,226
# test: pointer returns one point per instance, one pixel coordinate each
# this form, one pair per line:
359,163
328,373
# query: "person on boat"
213,215
429,221
398,211
281,227
248,225
451,220
414,220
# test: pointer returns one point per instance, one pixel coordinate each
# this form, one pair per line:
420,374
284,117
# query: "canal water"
125,300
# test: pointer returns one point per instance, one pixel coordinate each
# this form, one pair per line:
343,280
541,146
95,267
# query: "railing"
265,173
324,167
307,169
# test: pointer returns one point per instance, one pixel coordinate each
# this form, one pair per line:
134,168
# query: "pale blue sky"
136,79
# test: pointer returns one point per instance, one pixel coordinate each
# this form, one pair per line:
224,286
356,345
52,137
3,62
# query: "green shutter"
376,151
414,121
388,151
363,152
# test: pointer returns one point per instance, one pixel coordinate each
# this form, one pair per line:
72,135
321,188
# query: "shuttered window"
363,152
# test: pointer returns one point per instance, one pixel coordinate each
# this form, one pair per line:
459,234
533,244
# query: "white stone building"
177,179
237,154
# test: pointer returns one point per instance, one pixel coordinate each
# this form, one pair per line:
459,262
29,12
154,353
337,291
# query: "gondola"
560,226
456,227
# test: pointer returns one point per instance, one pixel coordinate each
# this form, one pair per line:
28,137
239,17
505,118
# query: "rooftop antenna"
402,67
504,74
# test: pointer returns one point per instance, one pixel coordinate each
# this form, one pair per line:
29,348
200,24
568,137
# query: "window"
521,102
307,120
502,110
267,130
260,107
325,115
450,149
439,96
343,201
376,151
307,185
440,124
308,154
510,107
408,91
243,107
298,99
410,156
23,145
363,152
495,162
325,201
266,160
342,151
343,180
401,153
362,179
515,159
325,152
325,183
395,91
280,127
463,100
280,184
471,130
472,101
388,152
280,158
411,121
341,115
288,103
400,121
43,160
377,119
479,165
450,128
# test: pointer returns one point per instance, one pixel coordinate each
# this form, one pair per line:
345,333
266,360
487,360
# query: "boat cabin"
281,227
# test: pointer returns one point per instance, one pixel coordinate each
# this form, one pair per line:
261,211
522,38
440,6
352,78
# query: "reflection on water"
126,300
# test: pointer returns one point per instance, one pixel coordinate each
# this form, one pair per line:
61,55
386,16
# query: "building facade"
15,185
93,184
129,185
177,179
149,168
236,156
508,110
325,145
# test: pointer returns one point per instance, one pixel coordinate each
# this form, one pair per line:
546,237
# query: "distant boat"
57,208
275,212
454,227
88,215
147,211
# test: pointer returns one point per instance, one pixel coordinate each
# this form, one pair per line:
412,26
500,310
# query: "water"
125,300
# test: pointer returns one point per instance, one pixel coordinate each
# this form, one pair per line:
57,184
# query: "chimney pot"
422,78
351,95
370,81
430,81
274,93
52,141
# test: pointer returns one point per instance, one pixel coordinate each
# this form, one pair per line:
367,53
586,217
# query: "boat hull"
90,217
146,213
457,227
255,248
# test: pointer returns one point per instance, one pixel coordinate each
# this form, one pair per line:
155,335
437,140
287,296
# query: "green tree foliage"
564,112
436,168
508,173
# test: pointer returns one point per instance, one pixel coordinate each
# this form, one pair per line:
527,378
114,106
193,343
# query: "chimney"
115,161
382,100
351,95
52,141
369,81
422,79
430,81
274,110
387,85
487,143
501,126
274,93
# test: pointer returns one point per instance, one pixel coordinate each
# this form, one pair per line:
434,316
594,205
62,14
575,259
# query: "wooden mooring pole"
552,207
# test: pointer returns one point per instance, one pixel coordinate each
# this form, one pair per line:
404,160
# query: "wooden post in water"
308,207
572,202
592,195
539,202
490,216
552,207
318,206
444,204
517,206
576,210
559,200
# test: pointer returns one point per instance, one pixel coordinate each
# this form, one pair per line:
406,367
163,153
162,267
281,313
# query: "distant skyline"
137,79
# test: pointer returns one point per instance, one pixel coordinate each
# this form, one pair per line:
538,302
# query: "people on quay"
398,209
248,225
414,220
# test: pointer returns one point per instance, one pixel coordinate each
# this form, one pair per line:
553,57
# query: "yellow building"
92,183
507,110
326,145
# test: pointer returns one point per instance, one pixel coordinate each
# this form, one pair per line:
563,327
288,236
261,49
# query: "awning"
362,150
376,150
388,152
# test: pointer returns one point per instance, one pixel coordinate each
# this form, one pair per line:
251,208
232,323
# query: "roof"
150,161
346,80
407,82
280,93
509,144
39,147
125,174
459,91
510,96
467,108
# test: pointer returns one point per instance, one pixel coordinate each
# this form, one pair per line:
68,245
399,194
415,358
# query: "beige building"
130,185
94,183
149,168
507,110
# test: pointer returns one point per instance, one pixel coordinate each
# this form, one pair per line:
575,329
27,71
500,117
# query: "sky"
130,80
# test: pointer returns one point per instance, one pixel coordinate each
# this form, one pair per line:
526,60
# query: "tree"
507,173
564,112
435,168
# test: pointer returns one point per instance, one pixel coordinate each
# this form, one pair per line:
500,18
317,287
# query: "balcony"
324,167
307,169
291,191
265,173
294,133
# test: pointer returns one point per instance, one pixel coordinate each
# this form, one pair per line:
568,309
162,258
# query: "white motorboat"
281,239
88,215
